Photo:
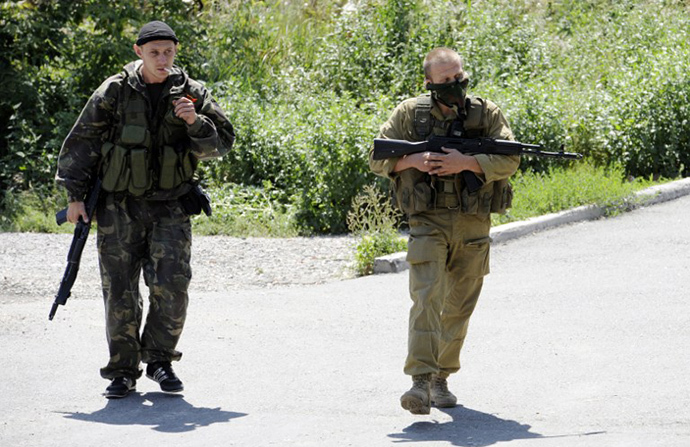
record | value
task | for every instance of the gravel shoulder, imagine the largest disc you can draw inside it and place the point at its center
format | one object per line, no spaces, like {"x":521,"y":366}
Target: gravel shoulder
{"x":32,"y":264}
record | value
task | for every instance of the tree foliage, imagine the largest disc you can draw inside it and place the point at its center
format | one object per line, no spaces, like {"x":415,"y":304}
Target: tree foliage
{"x":308,"y":83}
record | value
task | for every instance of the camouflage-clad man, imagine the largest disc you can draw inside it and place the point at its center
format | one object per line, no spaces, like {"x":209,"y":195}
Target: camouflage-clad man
{"x":143,"y":133}
{"x":448,"y":248}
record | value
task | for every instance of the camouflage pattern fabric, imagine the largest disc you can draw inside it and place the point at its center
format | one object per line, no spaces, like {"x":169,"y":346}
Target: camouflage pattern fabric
{"x":155,"y":237}
{"x":212,"y":135}
{"x":149,"y":233}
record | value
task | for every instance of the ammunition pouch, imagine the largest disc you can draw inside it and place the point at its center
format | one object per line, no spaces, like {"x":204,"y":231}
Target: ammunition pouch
{"x":502,"y":198}
{"x":177,"y":167}
{"x":129,"y":168}
{"x":412,"y":192}
{"x":415,"y":192}
{"x":125,"y":169}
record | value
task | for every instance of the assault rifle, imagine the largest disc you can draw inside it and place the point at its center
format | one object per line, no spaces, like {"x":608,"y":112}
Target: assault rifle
{"x":384,"y":148}
{"x":81,"y":233}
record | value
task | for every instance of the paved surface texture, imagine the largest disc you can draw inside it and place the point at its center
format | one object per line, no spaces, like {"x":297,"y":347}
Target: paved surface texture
{"x":580,"y":339}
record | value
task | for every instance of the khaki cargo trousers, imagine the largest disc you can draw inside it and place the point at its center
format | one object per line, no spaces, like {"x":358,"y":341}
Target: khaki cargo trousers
{"x":448,"y":253}
{"x":153,"y":237}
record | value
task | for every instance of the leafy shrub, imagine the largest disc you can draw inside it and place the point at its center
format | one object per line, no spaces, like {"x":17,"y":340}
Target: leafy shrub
{"x":313,"y":149}
{"x":374,"y":221}
{"x":539,"y":193}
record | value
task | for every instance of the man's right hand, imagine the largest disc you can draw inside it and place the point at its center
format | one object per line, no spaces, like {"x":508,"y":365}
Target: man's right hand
{"x":75,"y":210}
{"x":417,"y":161}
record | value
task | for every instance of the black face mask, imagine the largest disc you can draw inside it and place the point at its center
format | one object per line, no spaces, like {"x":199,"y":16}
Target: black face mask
{"x":450,"y":94}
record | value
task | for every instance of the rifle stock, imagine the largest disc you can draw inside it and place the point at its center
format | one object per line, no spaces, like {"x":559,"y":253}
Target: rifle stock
{"x":81,"y":234}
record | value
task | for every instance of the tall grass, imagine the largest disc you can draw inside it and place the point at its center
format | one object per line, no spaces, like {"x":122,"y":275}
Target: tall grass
{"x":558,"y":189}
{"x":307,"y":83}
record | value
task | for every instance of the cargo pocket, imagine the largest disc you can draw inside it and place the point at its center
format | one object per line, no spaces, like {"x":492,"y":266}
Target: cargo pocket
{"x":168,"y":176}
{"x":422,"y":197}
{"x":485,"y":196}
{"x":472,"y":260}
{"x":425,"y":244}
{"x":187,"y":165}
{"x":134,"y":135}
{"x":502,"y":198}
{"x":469,"y":202}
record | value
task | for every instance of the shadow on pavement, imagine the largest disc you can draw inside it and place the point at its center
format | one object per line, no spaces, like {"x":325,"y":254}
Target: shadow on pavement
{"x":470,"y":428}
{"x":165,"y":413}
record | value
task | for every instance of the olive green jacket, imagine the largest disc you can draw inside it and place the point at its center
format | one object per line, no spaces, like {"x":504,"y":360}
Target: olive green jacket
{"x":484,"y":119}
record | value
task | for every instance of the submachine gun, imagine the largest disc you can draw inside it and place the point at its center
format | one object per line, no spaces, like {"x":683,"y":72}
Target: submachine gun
{"x":81,"y":233}
{"x":385,"y":148}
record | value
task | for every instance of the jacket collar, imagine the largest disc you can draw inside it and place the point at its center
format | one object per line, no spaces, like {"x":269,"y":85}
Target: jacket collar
{"x":177,"y":80}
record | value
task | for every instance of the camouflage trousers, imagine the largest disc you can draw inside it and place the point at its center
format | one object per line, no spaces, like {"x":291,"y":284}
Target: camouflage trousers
{"x":155,"y":237}
{"x":448,"y":254}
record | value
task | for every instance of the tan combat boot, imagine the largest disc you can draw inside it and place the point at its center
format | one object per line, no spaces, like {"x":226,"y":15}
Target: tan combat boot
{"x":440,"y":396}
{"x":417,"y":400}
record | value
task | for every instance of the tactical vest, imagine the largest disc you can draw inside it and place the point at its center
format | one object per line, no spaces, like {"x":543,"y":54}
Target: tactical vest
{"x":416,"y":192}
{"x":132,"y":162}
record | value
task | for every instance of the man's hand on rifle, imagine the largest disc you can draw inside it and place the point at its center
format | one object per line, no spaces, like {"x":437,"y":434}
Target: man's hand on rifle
{"x":416,"y":161}
{"x":75,"y":210}
{"x":450,"y":162}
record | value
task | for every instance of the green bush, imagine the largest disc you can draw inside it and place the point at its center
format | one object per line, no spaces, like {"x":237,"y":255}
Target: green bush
{"x":311,"y":148}
{"x":539,"y":193}
{"x":247,"y":211}
{"x":374,"y":222}
{"x":308,"y":83}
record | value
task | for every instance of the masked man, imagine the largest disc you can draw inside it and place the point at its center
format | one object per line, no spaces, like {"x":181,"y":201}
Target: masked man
{"x":448,"y":248}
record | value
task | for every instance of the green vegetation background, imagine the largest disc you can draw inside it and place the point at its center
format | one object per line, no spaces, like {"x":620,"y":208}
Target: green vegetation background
{"x":307,"y":83}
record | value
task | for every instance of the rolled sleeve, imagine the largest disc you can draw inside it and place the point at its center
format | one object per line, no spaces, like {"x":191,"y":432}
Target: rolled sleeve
{"x":497,"y":167}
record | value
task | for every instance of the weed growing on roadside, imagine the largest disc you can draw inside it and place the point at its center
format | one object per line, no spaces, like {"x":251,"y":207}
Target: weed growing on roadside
{"x":374,"y":221}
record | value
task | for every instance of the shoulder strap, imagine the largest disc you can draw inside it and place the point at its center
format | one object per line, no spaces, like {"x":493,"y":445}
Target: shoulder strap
{"x":422,"y":116}
{"x":475,"y":108}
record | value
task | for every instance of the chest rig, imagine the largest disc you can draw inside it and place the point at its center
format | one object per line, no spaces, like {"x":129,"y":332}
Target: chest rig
{"x":137,"y":162}
{"x":417,"y":192}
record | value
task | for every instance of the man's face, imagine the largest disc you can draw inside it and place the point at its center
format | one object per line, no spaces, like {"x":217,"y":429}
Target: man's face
{"x":158,"y":56}
{"x":448,"y":85}
{"x":444,"y":73}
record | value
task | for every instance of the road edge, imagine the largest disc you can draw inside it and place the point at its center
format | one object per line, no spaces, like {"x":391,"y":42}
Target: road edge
{"x":653,"y":195}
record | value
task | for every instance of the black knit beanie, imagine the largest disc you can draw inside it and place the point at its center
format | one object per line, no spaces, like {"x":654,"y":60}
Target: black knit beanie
{"x":156,"y":30}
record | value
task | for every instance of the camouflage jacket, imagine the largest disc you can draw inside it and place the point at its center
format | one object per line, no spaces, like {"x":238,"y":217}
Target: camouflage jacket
{"x":101,"y":123}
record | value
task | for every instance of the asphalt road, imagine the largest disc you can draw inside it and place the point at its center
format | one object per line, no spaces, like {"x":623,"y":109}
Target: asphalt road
{"x":580,"y":339}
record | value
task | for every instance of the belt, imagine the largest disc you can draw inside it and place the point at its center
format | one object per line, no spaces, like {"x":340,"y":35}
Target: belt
{"x":447,"y":200}
{"x":445,"y":185}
